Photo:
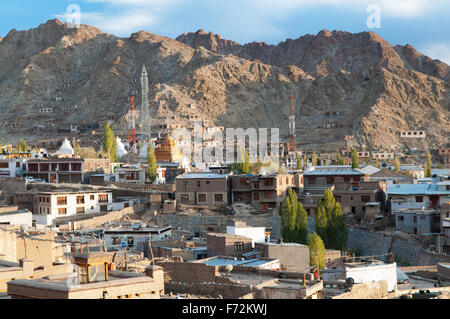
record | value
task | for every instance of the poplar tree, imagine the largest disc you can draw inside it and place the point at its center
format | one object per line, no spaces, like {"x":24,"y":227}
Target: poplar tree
{"x":294,"y":220}
{"x":397,"y":164}
{"x":151,"y":158}
{"x":339,"y":159}
{"x":314,"y":159}
{"x":317,"y":251}
{"x":427,"y":172}
{"x":355,"y":160}
{"x":22,"y":146}
{"x":329,"y":221}
{"x":299,"y":162}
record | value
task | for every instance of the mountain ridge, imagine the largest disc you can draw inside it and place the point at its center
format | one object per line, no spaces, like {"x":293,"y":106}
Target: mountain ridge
{"x":375,"y":89}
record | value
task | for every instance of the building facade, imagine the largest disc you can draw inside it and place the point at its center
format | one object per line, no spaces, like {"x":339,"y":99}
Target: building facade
{"x":207,"y":189}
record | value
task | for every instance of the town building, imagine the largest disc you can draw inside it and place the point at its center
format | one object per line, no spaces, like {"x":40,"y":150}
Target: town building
{"x":93,"y":279}
{"x":12,"y":215}
{"x":363,"y":272}
{"x":266,"y":192}
{"x":131,"y":175}
{"x":49,"y":206}
{"x":134,"y":238}
{"x":164,"y":151}
{"x":318,"y":179}
{"x":207,"y":189}
{"x":65,"y":170}
{"x":417,"y":221}
{"x":353,"y":196}
{"x":13,"y":167}
{"x":257,"y":234}
{"x":418,"y":196}
{"x":292,"y":257}
{"x":444,"y":154}
{"x":413,"y":134}
{"x":239,"y":279}
{"x":220,"y":244}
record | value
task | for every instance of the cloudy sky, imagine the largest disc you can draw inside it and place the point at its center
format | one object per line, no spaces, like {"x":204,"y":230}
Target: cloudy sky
{"x":421,"y":23}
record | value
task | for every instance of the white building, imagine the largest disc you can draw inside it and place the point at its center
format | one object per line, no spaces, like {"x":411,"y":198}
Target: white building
{"x":12,"y":216}
{"x":49,"y":206}
{"x":362,"y":273}
{"x":413,"y":134}
{"x":13,"y":167}
{"x":257,"y":234}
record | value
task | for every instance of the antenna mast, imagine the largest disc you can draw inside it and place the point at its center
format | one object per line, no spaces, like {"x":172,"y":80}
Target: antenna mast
{"x":145,"y":116}
{"x":292,"y":124}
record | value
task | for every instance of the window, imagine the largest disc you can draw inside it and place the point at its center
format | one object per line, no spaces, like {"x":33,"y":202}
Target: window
{"x":415,"y":219}
{"x":400,"y":218}
{"x":80,"y":210}
{"x":184,"y":198}
{"x":198,"y":184}
{"x":202,"y":198}
{"x":62,"y":200}
{"x":80,"y":199}
{"x":419,"y":199}
{"x":287,"y":180}
{"x":18,"y":164}
{"x":116,"y":241}
{"x":130,"y":242}
{"x":239,"y":246}
{"x":244,"y":181}
{"x":92,"y":197}
{"x":218,"y":197}
{"x":255,"y":196}
{"x":311,"y":180}
{"x":365,"y":198}
{"x":103,"y":198}
{"x":62,"y":211}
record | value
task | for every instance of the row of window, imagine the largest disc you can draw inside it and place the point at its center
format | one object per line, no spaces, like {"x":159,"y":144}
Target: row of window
{"x":62,"y":200}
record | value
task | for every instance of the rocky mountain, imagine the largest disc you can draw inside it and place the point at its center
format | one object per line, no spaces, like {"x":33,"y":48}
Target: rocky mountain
{"x":350,"y":89}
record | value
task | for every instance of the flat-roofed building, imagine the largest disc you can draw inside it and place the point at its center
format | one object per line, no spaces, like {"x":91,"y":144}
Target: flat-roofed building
{"x":92,"y":280}
{"x":49,"y":206}
{"x":207,"y":189}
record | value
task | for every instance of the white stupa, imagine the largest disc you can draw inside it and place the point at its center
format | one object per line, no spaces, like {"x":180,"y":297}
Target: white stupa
{"x":66,"y":149}
{"x":121,"y":151}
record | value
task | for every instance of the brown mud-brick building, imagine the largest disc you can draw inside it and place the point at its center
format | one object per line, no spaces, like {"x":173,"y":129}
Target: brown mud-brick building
{"x":262,"y":191}
{"x":66,"y":170}
{"x":220,"y":244}
{"x":207,"y":189}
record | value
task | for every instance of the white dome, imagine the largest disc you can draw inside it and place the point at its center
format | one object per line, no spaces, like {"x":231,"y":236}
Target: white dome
{"x":66,"y":148}
{"x":121,"y":151}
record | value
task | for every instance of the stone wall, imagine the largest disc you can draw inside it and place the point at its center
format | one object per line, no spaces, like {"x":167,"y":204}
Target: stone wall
{"x":370,"y":290}
{"x":205,"y":224}
{"x":377,"y":243}
{"x":100,"y":220}
{"x":189,"y":272}
{"x":431,"y":258}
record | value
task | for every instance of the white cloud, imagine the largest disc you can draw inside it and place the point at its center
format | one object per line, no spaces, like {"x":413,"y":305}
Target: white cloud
{"x":122,"y":24}
{"x":439,"y":51}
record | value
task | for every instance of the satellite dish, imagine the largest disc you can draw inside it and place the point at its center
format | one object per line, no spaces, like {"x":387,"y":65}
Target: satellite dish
{"x":229,"y":268}
{"x":24,"y":228}
{"x":349,"y":281}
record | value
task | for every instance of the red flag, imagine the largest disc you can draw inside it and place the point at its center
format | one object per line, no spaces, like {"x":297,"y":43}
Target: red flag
{"x":316,"y":273}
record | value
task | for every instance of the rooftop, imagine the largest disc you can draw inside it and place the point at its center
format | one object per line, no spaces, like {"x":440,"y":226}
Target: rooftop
{"x":201,"y":175}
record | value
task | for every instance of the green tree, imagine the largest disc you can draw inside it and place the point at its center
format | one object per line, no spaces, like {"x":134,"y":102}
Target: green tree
{"x":110,"y":143}
{"x":317,"y":251}
{"x":427,"y":171}
{"x":397,"y":164}
{"x":339,"y":159}
{"x":304,"y":161}
{"x":370,"y":159}
{"x":314,"y":159}
{"x":151,"y":158}
{"x":242,"y":165}
{"x":299,"y":162}
{"x":377,"y":163}
{"x":355,"y":160}
{"x":329,"y":221}
{"x":22,"y":146}
{"x":294,"y":220}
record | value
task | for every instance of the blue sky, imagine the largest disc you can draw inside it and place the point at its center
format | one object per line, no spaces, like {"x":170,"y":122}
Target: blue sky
{"x":421,"y":23}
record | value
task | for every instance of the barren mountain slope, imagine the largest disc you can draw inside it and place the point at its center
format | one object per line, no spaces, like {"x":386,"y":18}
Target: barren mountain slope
{"x":375,"y":89}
